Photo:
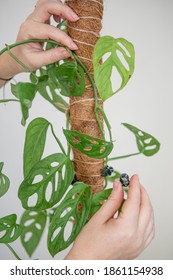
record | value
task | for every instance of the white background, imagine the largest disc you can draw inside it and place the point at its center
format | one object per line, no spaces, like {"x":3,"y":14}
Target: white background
{"x":146,"y":102}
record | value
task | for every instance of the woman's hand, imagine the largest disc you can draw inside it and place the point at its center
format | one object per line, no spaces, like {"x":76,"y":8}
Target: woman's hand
{"x":37,"y":26}
{"x":125,"y":237}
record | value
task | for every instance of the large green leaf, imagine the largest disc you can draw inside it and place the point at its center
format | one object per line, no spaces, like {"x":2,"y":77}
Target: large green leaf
{"x":9,"y":230}
{"x":25,"y":92}
{"x":70,"y":78}
{"x":4,"y":181}
{"x":34,"y":143}
{"x":68,"y":211}
{"x":88,"y":145}
{"x":120,"y":55}
{"x":147,"y":144}
{"x":98,"y":199}
{"x":46,"y":183}
{"x":33,"y":224}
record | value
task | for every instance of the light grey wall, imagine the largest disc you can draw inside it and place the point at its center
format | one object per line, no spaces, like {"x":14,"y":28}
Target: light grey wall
{"x":146,"y":103}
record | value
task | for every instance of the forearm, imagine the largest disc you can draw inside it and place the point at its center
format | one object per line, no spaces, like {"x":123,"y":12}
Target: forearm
{"x":8,"y":68}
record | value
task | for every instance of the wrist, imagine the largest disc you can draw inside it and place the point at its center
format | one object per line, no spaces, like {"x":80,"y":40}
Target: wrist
{"x":78,"y":254}
{"x":8,"y":67}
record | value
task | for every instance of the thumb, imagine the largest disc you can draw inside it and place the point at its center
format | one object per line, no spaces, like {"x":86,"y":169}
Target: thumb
{"x":111,"y":206}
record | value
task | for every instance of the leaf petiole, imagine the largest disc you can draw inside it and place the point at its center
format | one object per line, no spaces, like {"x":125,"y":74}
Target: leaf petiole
{"x":17,"y":60}
{"x":8,"y":100}
{"x":9,"y":47}
{"x":125,"y":156}
{"x":13,"y":251}
{"x":57,"y":140}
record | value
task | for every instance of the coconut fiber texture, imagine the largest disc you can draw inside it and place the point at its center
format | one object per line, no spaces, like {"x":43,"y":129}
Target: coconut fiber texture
{"x":85,"y":33}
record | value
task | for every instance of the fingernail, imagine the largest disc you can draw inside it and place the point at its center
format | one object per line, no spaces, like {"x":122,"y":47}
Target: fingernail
{"x":116,"y":184}
{"x":137,"y":177}
{"x":74,"y":16}
{"x":74,"y":46}
{"x":65,"y":54}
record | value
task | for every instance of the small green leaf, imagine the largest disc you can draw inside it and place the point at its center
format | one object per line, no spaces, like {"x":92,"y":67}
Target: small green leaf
{"x":46,"y":183}
{"x":147,"y":144}
{"x":25,"y":92}
{"x":33,"y":78}
{"x":33,"y":224}
{"x":34,"y":143}
{"x":120,"y":55}
{"x":88,"y":145}
{"x":4,"y":181}
{"x":98,"y":199}
{"x":68,"y":212}
{"x":70,"y":78}
{"x":9,"y":230}
{"x":115,"y":175}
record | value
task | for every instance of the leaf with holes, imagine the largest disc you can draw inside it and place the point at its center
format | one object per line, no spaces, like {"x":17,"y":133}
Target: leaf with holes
{"x":70,"y":78}
{"x":147,"y":144}
{"x":98,"y":199}
{"x":120,"y":55}
{"x":4,"y":181}
{"x":48,"y":90}
{"x":46,"y":182}
{"x":25,"y":92}
{"x":79,"y":197}
{"x":9,"y":230}
{"x":88,"y":145}
{"x":33,"y":224}
{"x":34,"y":143}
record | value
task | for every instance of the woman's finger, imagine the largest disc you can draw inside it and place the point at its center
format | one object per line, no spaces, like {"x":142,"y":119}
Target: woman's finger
{"x":38,"y":30}
{"x":45,"y":10}
{"x":146,"y":215}
{"x":42,"y":58}
{"x":131,"y":208}
{"x":110,"y":206}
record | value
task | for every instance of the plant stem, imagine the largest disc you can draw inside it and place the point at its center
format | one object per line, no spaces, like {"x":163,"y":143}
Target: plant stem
{"x":99,"y":108}
{"x":67,"y":127}
{"x":18,"y":61}
{"x":9,"y":47}
{"x":13,"y":252}
{"x":57,"y":140}
{"x":8,"y":100}
{"x":95,"y":94}
{"x":125,"y":156}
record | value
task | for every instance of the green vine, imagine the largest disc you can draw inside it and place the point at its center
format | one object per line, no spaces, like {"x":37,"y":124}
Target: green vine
{"x":56,"y":171}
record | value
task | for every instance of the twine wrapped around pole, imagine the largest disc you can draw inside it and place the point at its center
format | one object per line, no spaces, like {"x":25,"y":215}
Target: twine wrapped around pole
{"x":85,"y":33}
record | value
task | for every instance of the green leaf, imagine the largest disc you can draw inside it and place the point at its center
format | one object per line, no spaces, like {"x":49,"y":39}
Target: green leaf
{"x":54,"y":98}
{"x":70,"y":78}
{"x":34,"y":143}
{"x":46,"y":182}
{"x":115,"y":175}
{"x":98,"y":199}
{"x":88,"y":145}
{"x":33,"y":224}
{"x":9,"y":230}
{"x":68,"y":212}
{"x":120,"y":55}
{"x":33,"y":78}
{"x":147,"y":144}
{"x":25,"y":92}
{"x":4,"y":181}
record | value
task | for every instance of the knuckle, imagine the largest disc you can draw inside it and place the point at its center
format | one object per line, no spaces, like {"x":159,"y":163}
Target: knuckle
{"x":45,"y":5}
{"x":24,"y":27}
{"x":53,"y":57}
